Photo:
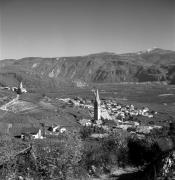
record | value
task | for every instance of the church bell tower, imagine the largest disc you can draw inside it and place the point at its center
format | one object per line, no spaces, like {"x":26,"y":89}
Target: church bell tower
{"x":97,"y":107}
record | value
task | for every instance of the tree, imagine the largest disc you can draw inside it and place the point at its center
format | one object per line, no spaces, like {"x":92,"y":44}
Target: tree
{"x":9,"y":148}
{"x":58,"y":157}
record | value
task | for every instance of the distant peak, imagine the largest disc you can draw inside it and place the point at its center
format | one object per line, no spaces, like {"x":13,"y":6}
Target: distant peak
{"x":151,"y":50}
{"x":102,"y":53}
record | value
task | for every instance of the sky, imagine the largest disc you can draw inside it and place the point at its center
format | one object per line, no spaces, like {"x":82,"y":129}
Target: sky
{"x":55,"y":28}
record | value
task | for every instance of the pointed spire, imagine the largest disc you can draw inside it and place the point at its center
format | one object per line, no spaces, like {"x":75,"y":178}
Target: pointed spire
{"x":97,"y":108}
{"x":97,"y":96}
{"x":20,"y":85}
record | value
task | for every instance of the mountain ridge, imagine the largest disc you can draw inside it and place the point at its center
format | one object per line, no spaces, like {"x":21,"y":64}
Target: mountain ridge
{"x":149,"y":50}
{"x":105,"y":67}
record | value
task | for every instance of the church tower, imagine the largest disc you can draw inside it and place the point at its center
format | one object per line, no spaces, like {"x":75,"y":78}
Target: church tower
{"x":97,"y":106}
{"x":20,"y":85}
{"x":19,"y":90}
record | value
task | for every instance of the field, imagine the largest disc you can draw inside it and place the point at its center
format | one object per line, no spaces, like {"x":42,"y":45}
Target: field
{"x":44,"y":105}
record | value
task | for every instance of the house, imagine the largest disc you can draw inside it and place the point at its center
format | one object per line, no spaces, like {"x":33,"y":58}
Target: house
{"x":38,"y":135}
{"x":62,"y":130}
{"x":26,"y":131}
{"x":53,"y":128}
{"x":85,"y":122}
{"x":56,"y":130}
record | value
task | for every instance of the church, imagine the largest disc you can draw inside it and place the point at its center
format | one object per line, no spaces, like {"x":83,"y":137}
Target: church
{"x":97,"y":107}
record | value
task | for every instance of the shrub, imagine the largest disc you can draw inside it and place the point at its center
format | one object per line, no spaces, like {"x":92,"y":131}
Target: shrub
{"x":58,"y":157}
{"x":103,"y":153}
{"x":86,"y":131}
{"x":9,"y":147}
{"x":142,"y":151}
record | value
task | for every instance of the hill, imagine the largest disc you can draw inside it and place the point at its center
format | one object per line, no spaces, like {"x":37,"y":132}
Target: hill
{"x":150,"y":65}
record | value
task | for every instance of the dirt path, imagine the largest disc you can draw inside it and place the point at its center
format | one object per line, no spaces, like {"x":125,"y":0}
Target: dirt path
{"x":4,"y":107}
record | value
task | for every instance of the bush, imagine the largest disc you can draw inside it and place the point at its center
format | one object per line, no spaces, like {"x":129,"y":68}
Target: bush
{"x":142,"y":151}
{"x":86,"y":131}
{"x":9,"y":147}
{"x":103,"y":153}
{"x":59,"y":157}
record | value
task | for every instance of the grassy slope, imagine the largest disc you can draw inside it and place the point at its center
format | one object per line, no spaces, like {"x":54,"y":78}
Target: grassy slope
{"x":55,"y":112}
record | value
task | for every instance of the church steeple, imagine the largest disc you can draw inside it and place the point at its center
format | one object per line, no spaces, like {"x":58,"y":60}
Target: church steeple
{"x":97,"y":96}
{"x":20,"y":85}
{"x":97,"y":106}
{"x":20,"y":89}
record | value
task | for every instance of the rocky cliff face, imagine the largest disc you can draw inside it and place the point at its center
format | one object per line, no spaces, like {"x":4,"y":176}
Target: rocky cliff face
{"x":152,"y":65}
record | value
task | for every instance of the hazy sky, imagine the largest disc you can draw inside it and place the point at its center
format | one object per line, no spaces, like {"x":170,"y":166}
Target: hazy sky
{"x":53,"y":28}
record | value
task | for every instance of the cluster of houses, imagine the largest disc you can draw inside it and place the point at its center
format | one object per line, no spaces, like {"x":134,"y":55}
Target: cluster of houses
{"x":121,"y":115}
{"x":118,"y":111}
{"x":19,"y":90}
{"x":30,"y":131}
{"x":110,"y":109}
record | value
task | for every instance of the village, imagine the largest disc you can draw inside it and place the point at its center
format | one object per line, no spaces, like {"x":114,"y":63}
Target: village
{"x":122,"y":116}
{"x":106,"y":114}
{"x":102,"y":113}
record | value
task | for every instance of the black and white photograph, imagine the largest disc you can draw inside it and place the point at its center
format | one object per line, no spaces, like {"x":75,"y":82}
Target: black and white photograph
{"x":87,"y":89}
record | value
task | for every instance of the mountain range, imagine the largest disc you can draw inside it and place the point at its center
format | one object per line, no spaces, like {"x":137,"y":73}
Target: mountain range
{"x":151,"y":65}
